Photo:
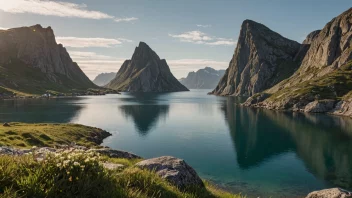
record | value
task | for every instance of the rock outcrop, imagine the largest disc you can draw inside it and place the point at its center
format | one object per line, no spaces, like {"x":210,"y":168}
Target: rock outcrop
{"x":145,"y":72}
{"x":324,"y":73}
{"x":30,"y":57}
{"x":174,"y":170}
{"x":104,"y":78}
{"x":206,"y":78}
{"x":330,"y":193}
{"x":262,"y":59}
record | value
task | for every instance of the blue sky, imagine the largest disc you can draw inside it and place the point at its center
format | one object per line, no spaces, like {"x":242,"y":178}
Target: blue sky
{"x":189,"y":34}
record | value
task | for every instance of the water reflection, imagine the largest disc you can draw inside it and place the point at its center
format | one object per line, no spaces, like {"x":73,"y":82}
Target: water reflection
{"x":145,"y":117}
{"x":39,"y":110}
{"x":255,"y":138}
{"x":324,"y":143}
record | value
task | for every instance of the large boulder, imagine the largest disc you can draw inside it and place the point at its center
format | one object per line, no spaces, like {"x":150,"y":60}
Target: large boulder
{"x":174,"y":170}
{"x":322,"y":106}
{"x":330,"y":193}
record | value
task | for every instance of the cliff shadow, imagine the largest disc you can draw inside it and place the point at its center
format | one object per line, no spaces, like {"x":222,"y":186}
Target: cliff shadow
{"x":255,"y":137}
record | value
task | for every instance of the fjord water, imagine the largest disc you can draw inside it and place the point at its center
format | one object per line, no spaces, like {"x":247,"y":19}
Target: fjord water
{"x":253,"y":151}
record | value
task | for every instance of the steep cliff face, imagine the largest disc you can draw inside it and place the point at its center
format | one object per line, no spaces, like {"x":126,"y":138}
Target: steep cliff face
{"x":324,"y":76}
{"x":145,"y":72}
{"x":206,"y":78}
{"x":35,"y":49}
{"x":104,"y":78}
{"x":262,"y":58}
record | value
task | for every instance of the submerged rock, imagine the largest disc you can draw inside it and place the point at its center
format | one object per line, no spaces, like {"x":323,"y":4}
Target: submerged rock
{"x":174,"y":170}
{"x":330,"y":193}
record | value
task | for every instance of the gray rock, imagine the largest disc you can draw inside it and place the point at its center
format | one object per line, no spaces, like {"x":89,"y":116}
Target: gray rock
{"x":6,"y":124}
{"x":262,"y":58}
{"x":112,"y":166}
{"x":319,"y":106}
{"x":174,"y":170}
{"x":206,"y":78}
{"x":116,"y":153}
{"x":330,"y":193}
{"x":343,"y":108}
{"x":145,"y":72}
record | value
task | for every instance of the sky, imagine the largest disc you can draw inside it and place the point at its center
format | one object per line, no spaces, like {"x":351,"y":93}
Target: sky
{"x":190,"y":34}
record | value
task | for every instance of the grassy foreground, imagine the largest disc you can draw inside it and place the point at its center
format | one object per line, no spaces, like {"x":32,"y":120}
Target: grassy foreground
{"x":81,"y":174}
{"x":27,"y":135}
{"x":77,"y":173}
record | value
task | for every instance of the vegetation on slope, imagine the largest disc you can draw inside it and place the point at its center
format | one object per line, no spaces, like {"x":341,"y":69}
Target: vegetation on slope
{"x":75,"y":173}
{"x":16,"y":78}
{"x":28,"y":135}
{"x":334,"y":85}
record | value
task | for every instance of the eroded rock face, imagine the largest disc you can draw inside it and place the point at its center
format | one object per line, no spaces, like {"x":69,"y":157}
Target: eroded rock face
{"x":174,"y":170}
{"x":36,"y":47}
{"x":262,"y":58}
{"x":330,"y":193}
{"x":145,"y":72}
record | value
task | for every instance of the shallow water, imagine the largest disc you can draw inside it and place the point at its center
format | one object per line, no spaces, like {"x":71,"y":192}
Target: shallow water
{"x":253,"y":151}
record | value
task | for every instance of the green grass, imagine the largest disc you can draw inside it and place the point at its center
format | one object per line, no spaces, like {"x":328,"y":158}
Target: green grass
{"x":81,"y":175}
{"x":27,"y":135}
{"x":334,"y":85}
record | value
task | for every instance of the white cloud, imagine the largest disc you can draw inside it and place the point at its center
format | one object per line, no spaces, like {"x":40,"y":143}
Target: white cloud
{"x":56,"y":8}
{"x":2,"y":28}
{"x":204,"y":26}
{"x":77,"y":42}
{"x":129,"y":19}
{"x":51,"y":8}
{"x":199,"y":37}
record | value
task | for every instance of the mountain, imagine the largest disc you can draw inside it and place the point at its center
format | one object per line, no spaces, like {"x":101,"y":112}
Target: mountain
{"x":206,"y":78}
{"x":262,"y":58}
{"x":145,"y":72}
{"x":104,"y":78}
{"x":32,"y":62}
{"x":323,"y":82}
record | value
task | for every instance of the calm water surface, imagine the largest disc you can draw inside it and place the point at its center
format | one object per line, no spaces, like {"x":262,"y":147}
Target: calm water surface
{"x":256,"y":152}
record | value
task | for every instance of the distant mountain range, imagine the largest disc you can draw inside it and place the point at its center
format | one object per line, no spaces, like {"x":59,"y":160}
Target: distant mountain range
{"x":104,"y":78}
{"x":145,"y":72}
{"x":32,"y":62}
{"x":206,"y":78}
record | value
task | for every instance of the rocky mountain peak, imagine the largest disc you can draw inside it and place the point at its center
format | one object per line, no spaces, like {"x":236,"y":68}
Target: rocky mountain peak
{"x":145,"y":72}
{"x":144,"y":52}
{"x":332,"y":46}
{"x":36,"y":47}
{"x":262,"y":58}
{"x":311,"y":36}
